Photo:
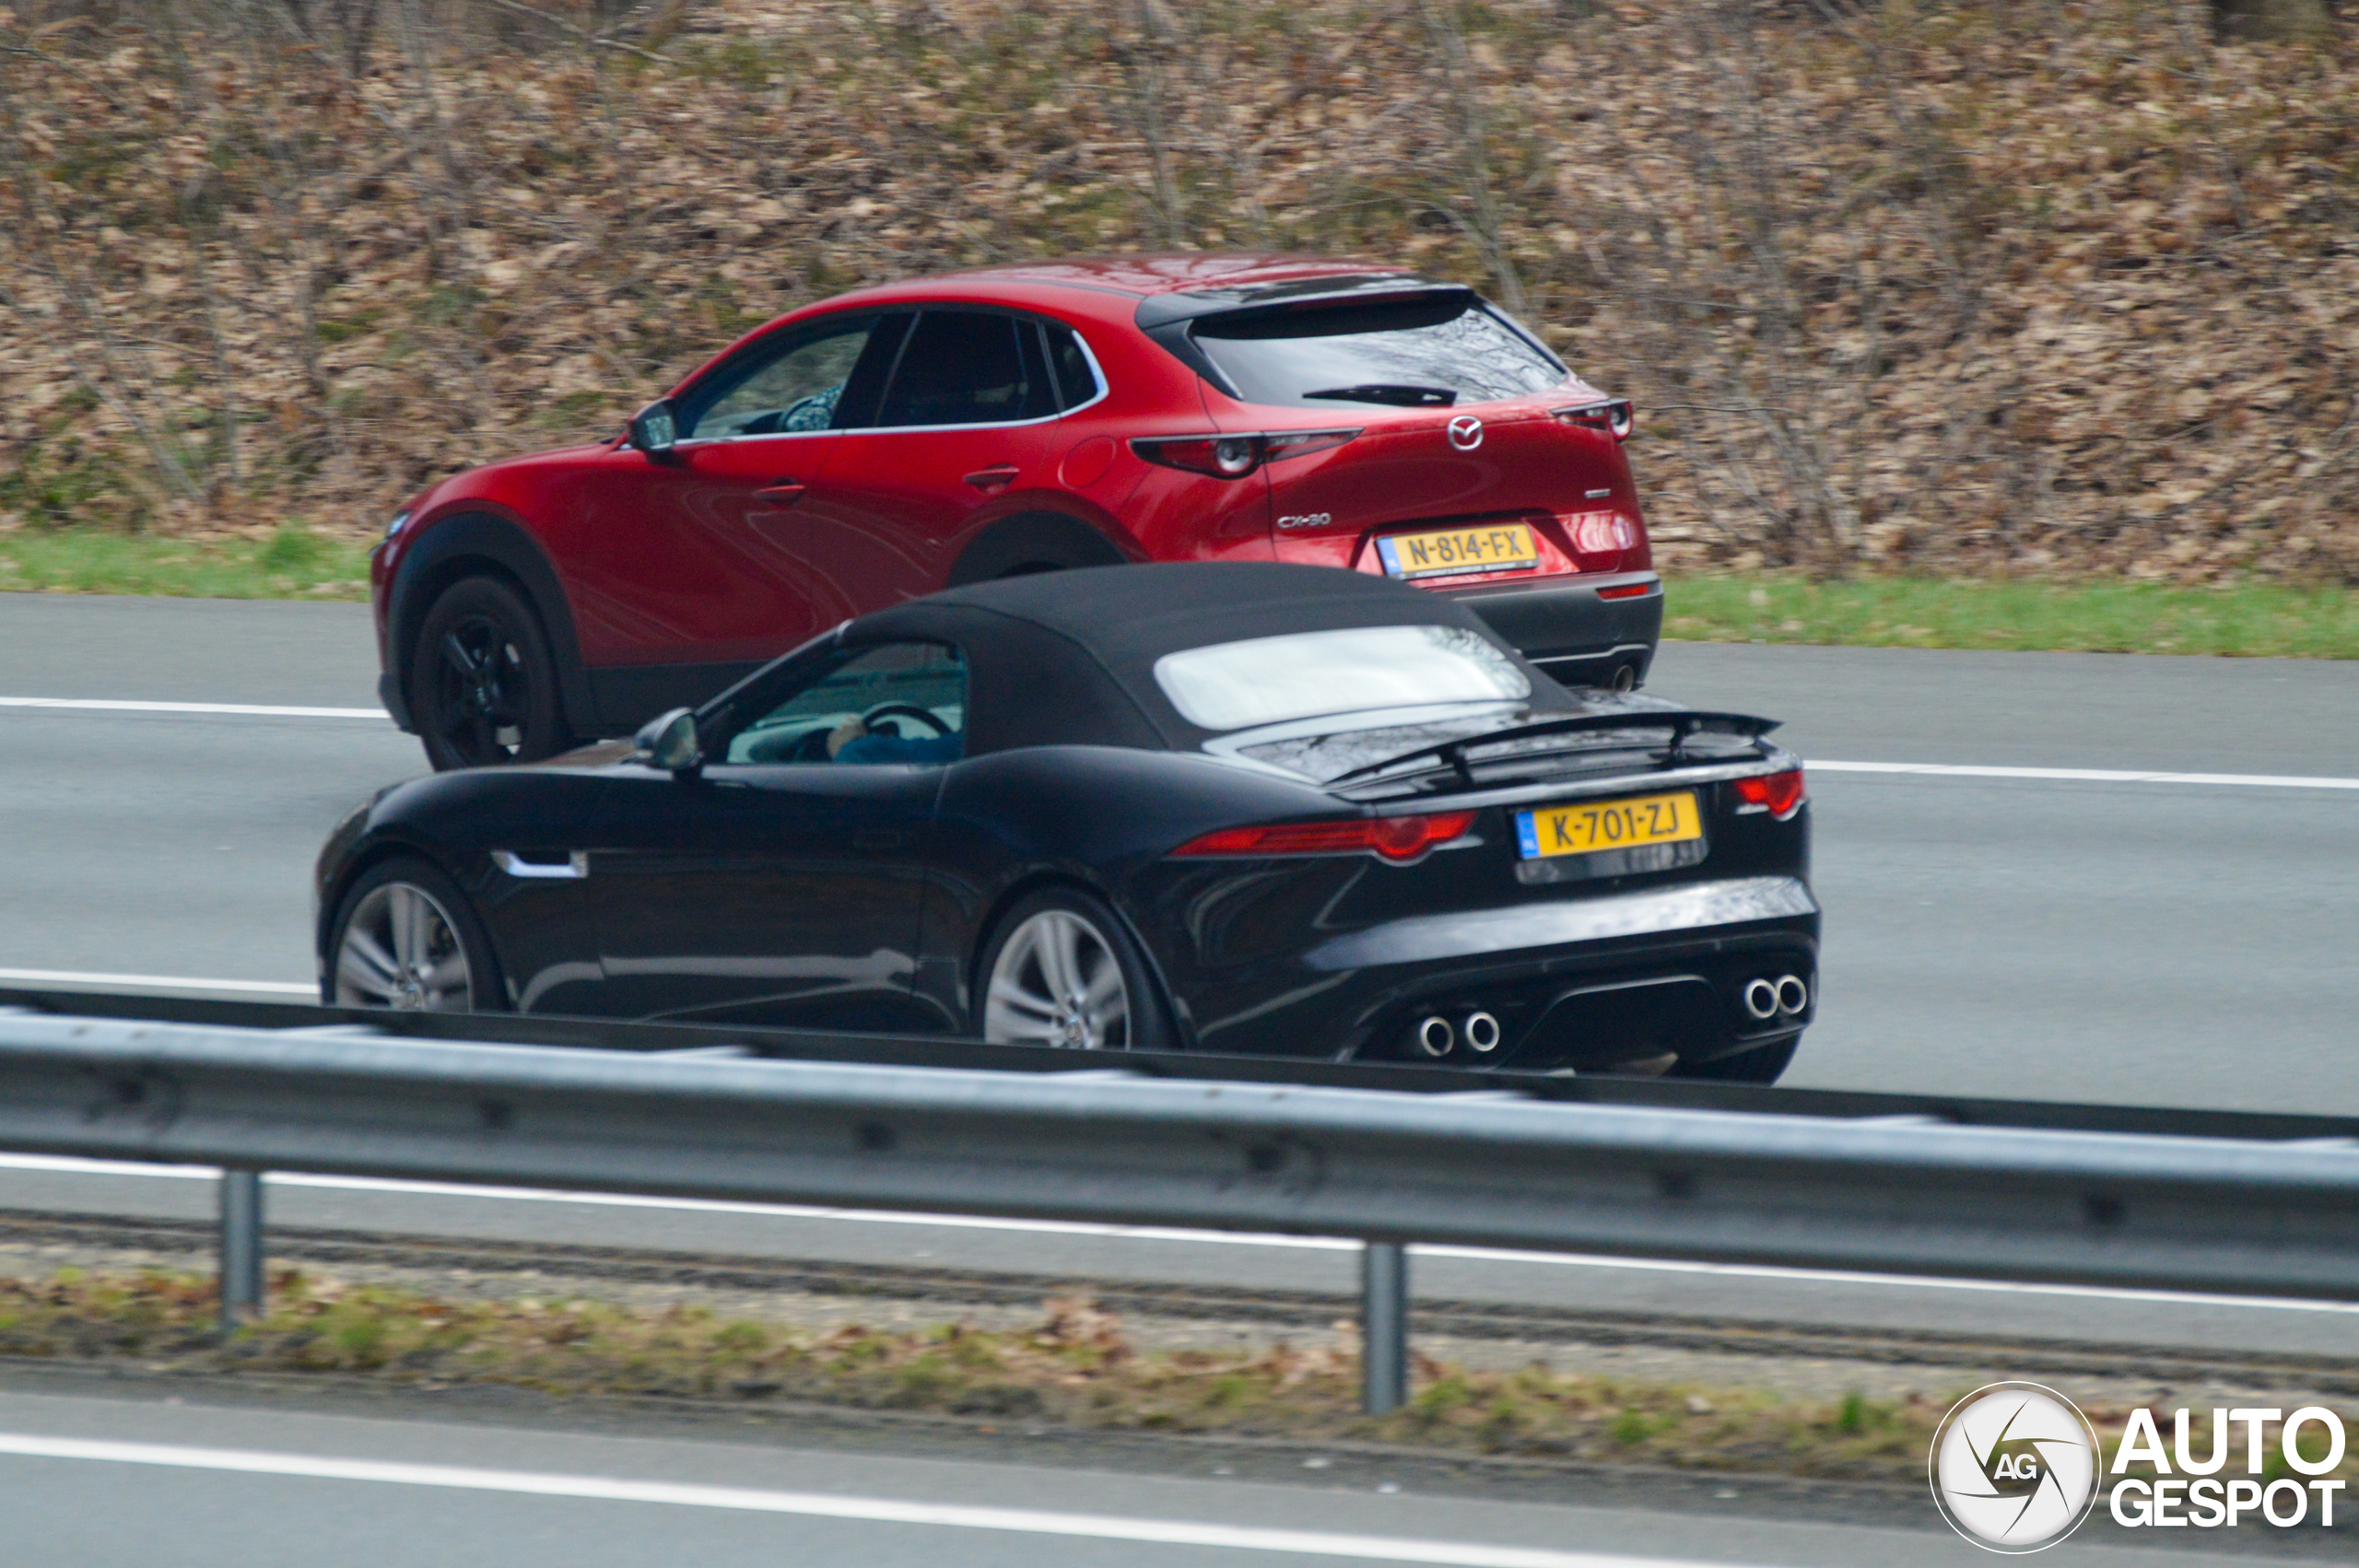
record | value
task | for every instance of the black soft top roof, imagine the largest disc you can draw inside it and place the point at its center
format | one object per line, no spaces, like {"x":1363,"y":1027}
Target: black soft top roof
{"x":1068,"y":658}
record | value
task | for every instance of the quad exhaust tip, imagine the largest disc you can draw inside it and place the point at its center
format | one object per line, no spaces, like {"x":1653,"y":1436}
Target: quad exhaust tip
{"x":1436,"y":1037}
{"x":1482,"y":1032}
{"x":1766,"y":999}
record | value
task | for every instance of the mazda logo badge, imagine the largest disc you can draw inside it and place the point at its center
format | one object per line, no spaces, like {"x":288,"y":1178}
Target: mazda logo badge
{"x":1466,"y":432}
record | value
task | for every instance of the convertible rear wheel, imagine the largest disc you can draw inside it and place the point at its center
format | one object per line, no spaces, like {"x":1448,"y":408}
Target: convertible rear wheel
{"x":404,"y":939}
{"x":483,"y":685}
{"x":1061,"y":970}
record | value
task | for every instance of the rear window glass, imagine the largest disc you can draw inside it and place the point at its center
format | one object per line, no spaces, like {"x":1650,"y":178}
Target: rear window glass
{"x":1411,"y":354}
{"x":1270,"y":680}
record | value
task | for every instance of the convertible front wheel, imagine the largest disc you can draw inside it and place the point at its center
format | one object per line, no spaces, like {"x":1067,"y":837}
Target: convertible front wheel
{"x":1063,"y":970}
{"x":404,"y":939}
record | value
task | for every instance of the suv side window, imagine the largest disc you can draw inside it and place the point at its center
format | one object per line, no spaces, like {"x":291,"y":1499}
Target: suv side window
{"x":1076,"y":381}
{"x":902,"y":702}
{"x":788,"y":381}
{"x":968,"y":367}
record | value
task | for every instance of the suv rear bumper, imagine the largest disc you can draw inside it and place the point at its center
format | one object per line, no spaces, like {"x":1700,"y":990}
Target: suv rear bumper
{"x":1561,"y":624}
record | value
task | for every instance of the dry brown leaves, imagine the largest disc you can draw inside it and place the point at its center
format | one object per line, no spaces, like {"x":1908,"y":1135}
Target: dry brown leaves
{"x":2036,"y":285}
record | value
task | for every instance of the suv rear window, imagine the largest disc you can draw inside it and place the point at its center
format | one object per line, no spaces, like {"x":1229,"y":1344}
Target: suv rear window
{"x":1409,"y":353}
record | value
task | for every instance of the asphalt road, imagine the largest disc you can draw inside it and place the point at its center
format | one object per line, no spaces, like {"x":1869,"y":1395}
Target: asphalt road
{"x":2150,"y":942}
{"x":2155,"y":942}
{"x":122,"y":1478}
{"x":2160,"y":943}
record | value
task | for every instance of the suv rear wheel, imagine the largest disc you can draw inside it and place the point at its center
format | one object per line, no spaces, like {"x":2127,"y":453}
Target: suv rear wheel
{"x":483,"y":684}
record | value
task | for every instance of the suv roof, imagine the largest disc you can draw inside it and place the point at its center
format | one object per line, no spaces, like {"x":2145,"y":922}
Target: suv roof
{"x":1240,"y":272}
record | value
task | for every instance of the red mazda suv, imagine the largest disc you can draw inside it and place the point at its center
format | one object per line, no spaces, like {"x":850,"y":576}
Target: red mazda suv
{"x":927,"y":434}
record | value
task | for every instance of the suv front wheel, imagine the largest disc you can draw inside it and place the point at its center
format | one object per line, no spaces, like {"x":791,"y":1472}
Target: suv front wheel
{"x":483,"y":685}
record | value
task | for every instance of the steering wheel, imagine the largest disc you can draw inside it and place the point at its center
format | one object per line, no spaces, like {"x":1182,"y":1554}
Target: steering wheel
{"x":903,"y":710}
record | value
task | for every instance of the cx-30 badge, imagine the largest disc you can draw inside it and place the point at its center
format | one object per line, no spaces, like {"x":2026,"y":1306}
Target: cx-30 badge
{"x":1466,"y":432}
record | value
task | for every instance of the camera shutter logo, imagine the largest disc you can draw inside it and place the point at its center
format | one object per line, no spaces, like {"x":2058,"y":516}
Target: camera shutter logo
{"x":2014,"y":1467}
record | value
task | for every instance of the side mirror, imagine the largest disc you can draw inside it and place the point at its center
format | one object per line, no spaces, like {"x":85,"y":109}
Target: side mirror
{"x":655,"y":428}
{"x":669,"y":741}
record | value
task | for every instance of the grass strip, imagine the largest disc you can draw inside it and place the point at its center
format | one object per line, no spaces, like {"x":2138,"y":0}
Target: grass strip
{"x":292,"y":562}
{"x":1074,"y":1368}
{"x":2246,"y":620}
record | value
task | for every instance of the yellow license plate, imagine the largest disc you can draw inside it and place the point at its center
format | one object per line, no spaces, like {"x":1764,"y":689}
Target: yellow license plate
{"x":1504,"y":546}
{"x":1608,"y":825}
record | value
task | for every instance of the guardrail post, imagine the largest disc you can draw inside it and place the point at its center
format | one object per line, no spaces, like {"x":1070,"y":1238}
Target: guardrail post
{"x":1384,"y":1325}
{"x":241,"y":1247}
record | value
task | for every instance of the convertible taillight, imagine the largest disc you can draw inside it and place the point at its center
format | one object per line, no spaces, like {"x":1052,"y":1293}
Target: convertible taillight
{"x":1779,"y":794}
{"x":1397,"y":839}
{"x":1234,"y":457}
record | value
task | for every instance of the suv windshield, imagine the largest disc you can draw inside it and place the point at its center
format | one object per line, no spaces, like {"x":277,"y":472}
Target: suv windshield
{"x":1415,"y":353}
{"x":1269,"y":680}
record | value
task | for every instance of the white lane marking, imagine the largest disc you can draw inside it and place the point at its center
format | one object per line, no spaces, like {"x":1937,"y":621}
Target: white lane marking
{"x":878,"y":1510}
{"x":71,"y":1165}
{"x":2086,"y":775}
{"x":1929,"y":769}
{"x":156,"y":982}
{"x":249,"y":709}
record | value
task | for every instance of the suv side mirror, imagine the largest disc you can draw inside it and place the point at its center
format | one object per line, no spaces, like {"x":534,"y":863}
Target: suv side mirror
{"x":655,"y":428}
{"x":669,"y":741}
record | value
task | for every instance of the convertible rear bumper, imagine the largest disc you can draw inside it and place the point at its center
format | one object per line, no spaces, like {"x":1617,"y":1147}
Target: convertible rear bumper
{"x":1579,"y":983}
{"x":1513,"y":931}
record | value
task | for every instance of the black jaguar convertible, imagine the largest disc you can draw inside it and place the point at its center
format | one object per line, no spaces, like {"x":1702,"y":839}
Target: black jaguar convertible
{"x":1243,"y":808}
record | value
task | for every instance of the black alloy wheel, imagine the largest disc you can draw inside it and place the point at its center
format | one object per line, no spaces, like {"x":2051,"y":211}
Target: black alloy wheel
{"x":1061,"y":969}
{"x":405,"y":938}
{"x":483,"y":685}
{"x":1763,"y":1064}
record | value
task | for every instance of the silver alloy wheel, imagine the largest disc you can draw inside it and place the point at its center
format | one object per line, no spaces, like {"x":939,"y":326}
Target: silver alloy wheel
{"x":1057,"y":982}
{"x":400,"y":949}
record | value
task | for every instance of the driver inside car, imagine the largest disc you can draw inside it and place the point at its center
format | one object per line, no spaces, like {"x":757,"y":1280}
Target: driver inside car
{"x":853,"y":741}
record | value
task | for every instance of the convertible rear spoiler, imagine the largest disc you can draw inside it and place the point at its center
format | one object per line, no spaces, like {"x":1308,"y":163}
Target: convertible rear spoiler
{"x":1679,"y":726}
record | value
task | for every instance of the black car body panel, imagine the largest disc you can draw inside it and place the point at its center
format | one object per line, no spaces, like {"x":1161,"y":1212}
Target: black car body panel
{"x":822,"y":894}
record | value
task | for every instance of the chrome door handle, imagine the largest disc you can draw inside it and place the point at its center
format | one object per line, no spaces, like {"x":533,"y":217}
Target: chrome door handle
{"x":784,"y":491}
{"x":996,"y":477}
{"x":574,"y":866}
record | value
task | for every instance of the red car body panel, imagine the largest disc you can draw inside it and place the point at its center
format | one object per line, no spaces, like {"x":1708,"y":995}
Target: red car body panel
{"x":731,"y":551}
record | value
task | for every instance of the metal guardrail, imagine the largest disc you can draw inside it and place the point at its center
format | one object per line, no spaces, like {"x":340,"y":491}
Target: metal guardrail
{"x":942,"y":1051}
{"x":1485,"y":1166}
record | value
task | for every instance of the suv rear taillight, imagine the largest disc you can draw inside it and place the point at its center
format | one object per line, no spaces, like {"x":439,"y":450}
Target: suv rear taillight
{"x":1601,"y":533}
{"x":1234,"y":457}
{"x":1398,"y":838}
{"x":1615,"y":414}
{"x":1779,"y":794}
